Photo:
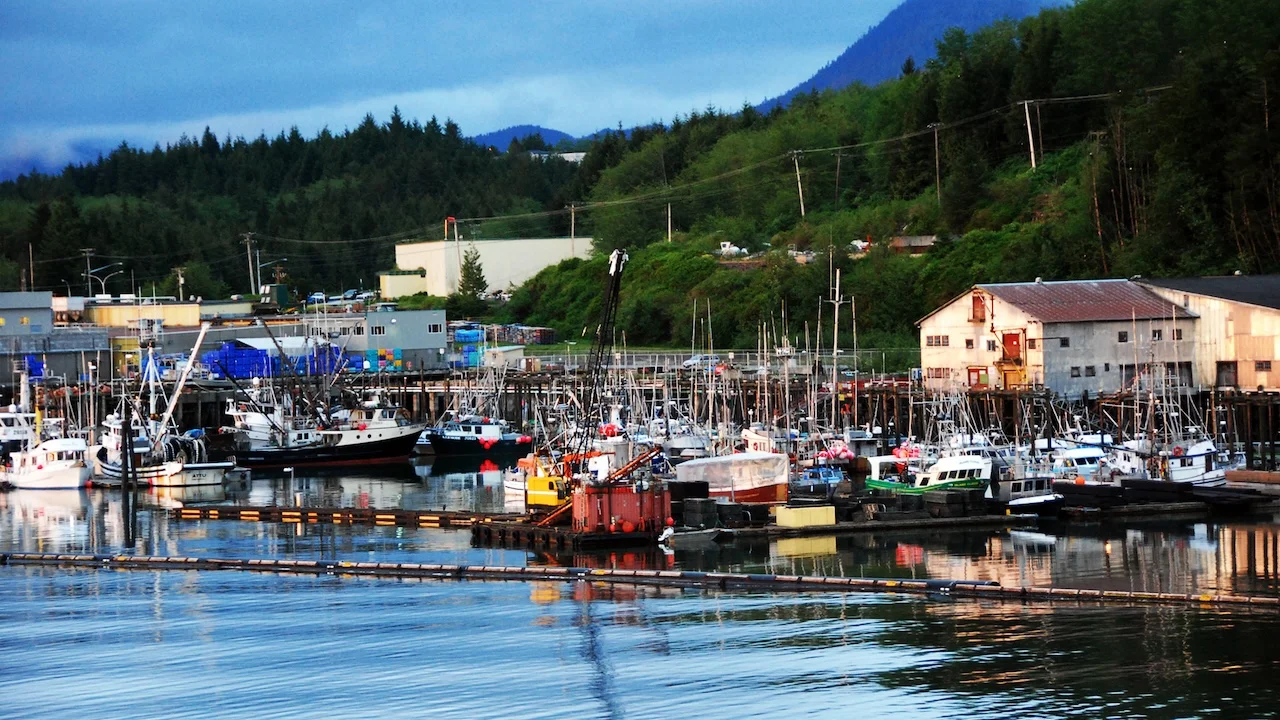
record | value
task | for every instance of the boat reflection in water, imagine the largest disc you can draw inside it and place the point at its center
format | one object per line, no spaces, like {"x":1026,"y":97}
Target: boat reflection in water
{"x":471,"y":484}
{"x":48,"y":520}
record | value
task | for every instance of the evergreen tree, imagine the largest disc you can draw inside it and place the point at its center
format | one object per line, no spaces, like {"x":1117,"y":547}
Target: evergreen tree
{"x":472,"y":282}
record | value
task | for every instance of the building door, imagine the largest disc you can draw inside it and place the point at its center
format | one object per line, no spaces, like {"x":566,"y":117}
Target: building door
{"x":1227,"y":374}
{"x":1012,"y":346}
{"x":1012,"y":379}
{"x":978,"y":377}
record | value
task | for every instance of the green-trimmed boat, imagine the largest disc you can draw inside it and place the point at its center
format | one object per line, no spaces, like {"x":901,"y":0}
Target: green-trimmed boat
{"x":955,"y":472}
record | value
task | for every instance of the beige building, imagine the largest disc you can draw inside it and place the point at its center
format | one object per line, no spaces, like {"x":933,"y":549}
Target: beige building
{"x":1238,"y":338}
{"x":505,"y":262}
{"x":1072,"y":337}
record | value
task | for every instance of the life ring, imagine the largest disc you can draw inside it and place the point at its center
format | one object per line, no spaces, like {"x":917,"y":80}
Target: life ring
{"x":1177,"y":451}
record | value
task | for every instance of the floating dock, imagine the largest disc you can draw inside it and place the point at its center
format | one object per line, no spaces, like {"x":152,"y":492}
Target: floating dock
{"x":341,"y":516}
{"x":974,"y":589}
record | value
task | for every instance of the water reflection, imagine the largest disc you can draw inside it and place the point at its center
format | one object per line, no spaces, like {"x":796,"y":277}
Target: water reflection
{"x":1234,"y":556}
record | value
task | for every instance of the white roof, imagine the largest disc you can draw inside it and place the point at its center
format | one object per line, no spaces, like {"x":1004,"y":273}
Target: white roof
{"x":63,"y":445}
{"x":290,"y":344}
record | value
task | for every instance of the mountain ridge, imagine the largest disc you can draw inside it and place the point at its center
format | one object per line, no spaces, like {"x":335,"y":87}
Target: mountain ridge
{"x":912,"y":29}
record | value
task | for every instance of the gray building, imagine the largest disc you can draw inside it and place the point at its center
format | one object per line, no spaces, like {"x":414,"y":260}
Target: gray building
{"x":27,"y":330}
{"x":395,"y":340}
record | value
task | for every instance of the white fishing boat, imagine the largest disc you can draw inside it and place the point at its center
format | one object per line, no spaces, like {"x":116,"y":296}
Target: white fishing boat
{"x":55,"y":464}
{"x":163,"y":457}
{"x":954,"y":472}
{"x":741,"y":477}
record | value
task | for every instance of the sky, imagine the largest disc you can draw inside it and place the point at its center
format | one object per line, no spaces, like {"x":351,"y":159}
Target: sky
{"x":83,"y":76}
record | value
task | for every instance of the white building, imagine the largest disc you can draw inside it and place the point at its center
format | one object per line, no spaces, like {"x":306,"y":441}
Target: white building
{"x":505,"y":263}
{"x":1238,"y":334}
{"x":1072,"y":337}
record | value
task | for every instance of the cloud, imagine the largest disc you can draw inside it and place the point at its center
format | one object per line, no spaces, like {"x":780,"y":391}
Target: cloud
{"x":571,"y":103}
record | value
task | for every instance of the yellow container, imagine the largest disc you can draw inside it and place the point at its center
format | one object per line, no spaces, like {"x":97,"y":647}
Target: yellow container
{"x":799,"y":517}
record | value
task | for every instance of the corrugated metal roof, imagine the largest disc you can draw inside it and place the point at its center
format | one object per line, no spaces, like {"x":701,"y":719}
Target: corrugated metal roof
{"x":1086,"y":301}
{"x":1262,"y":290}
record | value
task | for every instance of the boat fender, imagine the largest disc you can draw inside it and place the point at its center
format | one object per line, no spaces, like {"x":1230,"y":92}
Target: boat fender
{"x":1177,"y":451}
{"x":361,"y":426}
{"x":1079,"y":480}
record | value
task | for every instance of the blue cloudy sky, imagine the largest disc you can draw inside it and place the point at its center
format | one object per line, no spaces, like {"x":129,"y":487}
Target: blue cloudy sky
{"x":90,"y":74}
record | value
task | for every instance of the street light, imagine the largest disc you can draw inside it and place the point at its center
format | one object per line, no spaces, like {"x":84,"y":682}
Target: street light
{"x":104,"y":280}
{"x":89,"y":276}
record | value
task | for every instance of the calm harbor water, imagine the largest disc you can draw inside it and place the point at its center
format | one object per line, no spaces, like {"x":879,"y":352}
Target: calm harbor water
{"x":186,"y":644}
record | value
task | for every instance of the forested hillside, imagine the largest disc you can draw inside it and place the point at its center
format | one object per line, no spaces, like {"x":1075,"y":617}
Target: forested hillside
{"x":1156,"y":154}
{"x":325,"y":203}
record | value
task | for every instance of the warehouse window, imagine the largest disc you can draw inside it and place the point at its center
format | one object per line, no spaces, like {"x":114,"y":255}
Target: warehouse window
{"x":1075,"y":372}
{"x":968,"y":344}
{"x":1177,"y":333}
{"x":26,"y":320}
{"x":991,"y":346}
{"x":435,"y":328}
{"x":1262,"y":366}
{"x":1031,"y":343}
{"x":1064,"y":342}
{"x":345,"y":331}
{"x":1123,"y":336}
{"x":1157,"y":335}
{"x":1090,"y":371}
{"x":359,"y":329}
{"x":938,"y":341}
{"x":378,"y":330}
{"x":938,"y":373}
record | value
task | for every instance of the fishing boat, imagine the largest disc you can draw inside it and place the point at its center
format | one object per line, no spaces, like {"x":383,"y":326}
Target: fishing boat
{"x":818,"y":480}
{"x":1026,"y":492}
{"x":273,"y":436}
{"x":953,"y":472}
{"x":55,"y":464}
{"x":478,"y":436}
{"x":1082,"y":462}
{"x":163,"y":457}
{"x":741,"y":477}
{"x":538,"y":480}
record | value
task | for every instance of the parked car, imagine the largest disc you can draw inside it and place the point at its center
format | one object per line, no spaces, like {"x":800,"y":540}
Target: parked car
{"x":703,"y":361}
{"x":350,"y":295}
{"x":316,"y":298}
{"x":367,"y":295}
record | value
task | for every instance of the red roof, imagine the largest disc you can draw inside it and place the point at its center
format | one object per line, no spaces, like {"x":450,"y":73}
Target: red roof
{"x":1086,"y":301}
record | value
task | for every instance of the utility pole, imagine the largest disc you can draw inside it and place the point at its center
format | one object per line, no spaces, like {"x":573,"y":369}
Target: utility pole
{"x":181,"y":282}
{"x":795,"y":156}
{"x":257,"y":270}
{"x":88,"y":279}
{"x":457,"y":247}
{"x":1031,"y":139}
{"x":31,"y":259}
{"x":573,"y":229}
{"x":668,"y":222}
{"x":839,"y":155}
{"x":248,"y":253}
{"x":937,"y":162}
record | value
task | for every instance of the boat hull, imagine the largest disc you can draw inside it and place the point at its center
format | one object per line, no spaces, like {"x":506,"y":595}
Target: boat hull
{"x":64,"y":478}
{"x":905,"y":489}
{"x":478,"y":447}
{"x":172,"y":474}
{"x":390,"y":450}
{"x":758,"y":494}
